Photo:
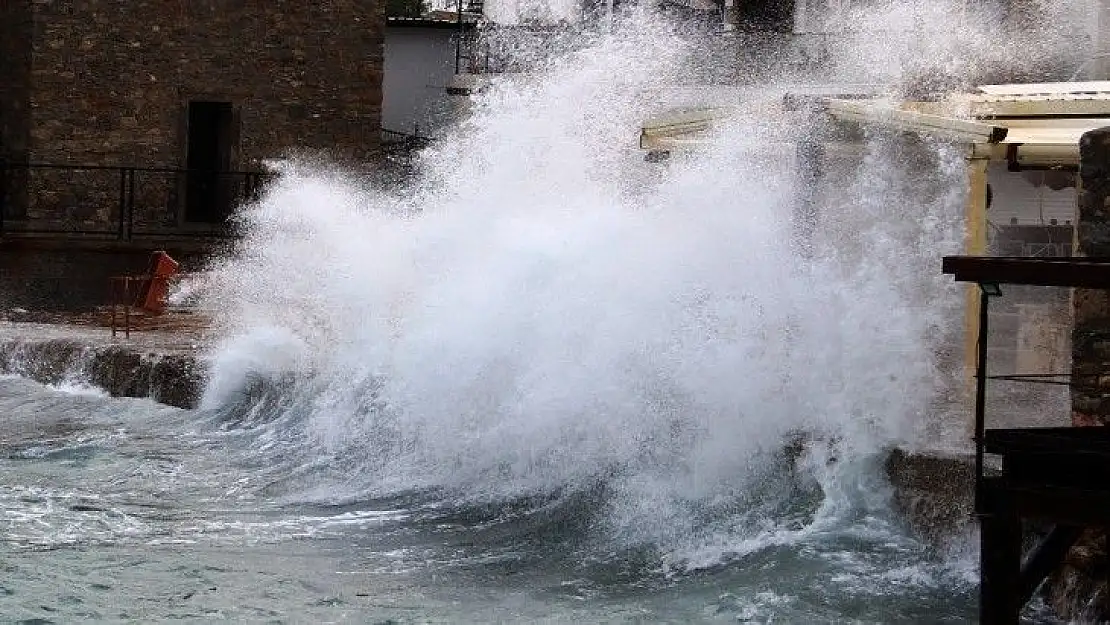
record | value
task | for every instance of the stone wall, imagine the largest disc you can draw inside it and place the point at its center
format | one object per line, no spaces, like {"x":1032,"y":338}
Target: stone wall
{"x":1078,"y":589}
{"x":112,"y":78}
{"x":1091,"y":333}
{"x":108,"y":82}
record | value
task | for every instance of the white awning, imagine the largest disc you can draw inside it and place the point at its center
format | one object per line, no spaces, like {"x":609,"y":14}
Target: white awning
{"x":892,"y":116}
{"x":1030,"y":125}
{"x":1043,"y":142}
{"x":1089,"y":99}
{"x":1058,"y":89}
{"x":680,"y":128}
{"x":1029,"y":141}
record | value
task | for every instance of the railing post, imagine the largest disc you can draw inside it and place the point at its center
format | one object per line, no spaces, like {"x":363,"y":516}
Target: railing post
{"x":248,"y":187}
{"x":127,"y":307}
{"x":981,"y":395}
{"x":113,"y":294}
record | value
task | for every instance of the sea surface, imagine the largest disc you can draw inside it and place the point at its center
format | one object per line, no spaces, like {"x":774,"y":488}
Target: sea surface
{"x":126,"y":510}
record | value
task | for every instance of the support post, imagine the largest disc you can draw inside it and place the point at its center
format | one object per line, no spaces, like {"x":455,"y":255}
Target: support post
{"x":1046,"y":558}
{"x":981,"y":395}
{"x":459,"y":35}
{"x":1000,"y":548}
{"x":975,"y":244}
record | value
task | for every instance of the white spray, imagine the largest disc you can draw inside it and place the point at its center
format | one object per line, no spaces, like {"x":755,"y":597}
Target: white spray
{"x":541,"y":310}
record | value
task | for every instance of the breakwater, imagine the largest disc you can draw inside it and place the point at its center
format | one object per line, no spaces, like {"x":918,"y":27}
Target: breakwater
{"x":163,"y":366}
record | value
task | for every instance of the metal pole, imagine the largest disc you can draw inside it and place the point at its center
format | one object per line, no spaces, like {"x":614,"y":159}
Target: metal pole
{"x":458,"y":41}
{"x":981,"y":396}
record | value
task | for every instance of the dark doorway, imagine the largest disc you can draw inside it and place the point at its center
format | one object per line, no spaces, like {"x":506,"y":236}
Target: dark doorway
{"x":766,"y":15}
{"x":209,"y":192}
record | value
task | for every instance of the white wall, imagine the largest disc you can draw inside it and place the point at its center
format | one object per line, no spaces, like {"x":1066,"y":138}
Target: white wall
{"x":419,"y":62}
{"x":1024,"y":198}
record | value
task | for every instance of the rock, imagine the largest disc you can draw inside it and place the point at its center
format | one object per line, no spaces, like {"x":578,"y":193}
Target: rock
{"x":933,"y":493}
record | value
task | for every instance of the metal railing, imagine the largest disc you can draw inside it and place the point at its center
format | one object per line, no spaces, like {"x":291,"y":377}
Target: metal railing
{"x":121,"y":202}
{"x":122,"y":299}
{"x":407,"y":139}
{"x":125,"y":311}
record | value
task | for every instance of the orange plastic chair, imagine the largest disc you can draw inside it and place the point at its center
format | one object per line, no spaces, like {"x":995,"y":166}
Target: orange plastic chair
{"x":162,"y":268}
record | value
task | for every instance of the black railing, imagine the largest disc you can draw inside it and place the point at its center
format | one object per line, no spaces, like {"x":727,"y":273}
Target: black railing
{"x":121,"y":202}
{"x":406,"y":139}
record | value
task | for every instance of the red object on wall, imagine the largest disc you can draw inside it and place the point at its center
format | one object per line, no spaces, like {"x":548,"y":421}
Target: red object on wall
{"x":162,"y":268}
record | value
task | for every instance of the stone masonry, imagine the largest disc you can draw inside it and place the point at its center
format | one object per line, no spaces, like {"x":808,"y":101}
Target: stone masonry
{"x":1091,"y":333}
{"x":1078,"y":590}
{"x":108,"y":82}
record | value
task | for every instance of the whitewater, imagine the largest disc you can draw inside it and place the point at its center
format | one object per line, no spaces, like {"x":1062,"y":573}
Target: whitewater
{"x":543,"y":379}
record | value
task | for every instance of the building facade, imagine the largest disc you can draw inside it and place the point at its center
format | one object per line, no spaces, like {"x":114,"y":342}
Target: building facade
{"x":170,"y":85}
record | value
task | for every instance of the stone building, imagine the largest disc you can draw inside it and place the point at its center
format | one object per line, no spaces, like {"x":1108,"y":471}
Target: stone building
{"x":132,"y":125}
{"x":174,"y":84}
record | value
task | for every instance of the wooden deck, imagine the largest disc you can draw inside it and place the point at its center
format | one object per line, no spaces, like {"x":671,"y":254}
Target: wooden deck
{"x":1056,"y":475}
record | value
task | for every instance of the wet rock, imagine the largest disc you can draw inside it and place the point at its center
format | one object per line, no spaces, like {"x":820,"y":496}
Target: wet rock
{"x":121,"y":370}
{"x":1079,"y":590}
{"x":933,"y":493}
